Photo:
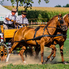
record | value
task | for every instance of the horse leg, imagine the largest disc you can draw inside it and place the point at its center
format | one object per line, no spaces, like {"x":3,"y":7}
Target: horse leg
{"x":61,"y":51}
{"x":42,"y":51}
{"x":30,"y":51}
{"x":53,"y":52}
{"x":49,"y":56}
{"x":21,"y":53}
{"x":14,"y":45}
{"x":26,"y":53}
{"x":2,"y":53}
{"x":37,"y":50}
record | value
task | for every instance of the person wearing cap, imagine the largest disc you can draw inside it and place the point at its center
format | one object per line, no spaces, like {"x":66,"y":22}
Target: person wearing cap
{"x":21,"y":19}
{"x":9,"y":19}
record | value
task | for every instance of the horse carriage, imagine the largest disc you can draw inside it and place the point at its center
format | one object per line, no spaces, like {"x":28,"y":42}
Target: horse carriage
{"x":5,"y":36}
{"x":42,"y":36}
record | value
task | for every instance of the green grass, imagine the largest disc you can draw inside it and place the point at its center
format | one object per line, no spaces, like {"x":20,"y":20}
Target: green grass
{"x":36,"y":66}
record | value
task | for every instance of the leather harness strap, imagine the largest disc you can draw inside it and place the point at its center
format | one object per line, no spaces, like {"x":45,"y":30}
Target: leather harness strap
{"x":43,"y":32}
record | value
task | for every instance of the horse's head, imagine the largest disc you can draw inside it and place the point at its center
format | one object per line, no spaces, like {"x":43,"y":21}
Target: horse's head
{"x":61,"y":23}
{"x":57,"y":22}
{"x":66,"y":18}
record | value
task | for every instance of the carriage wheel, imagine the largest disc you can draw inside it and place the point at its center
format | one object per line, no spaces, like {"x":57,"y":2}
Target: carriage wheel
{"x":3,"y":51}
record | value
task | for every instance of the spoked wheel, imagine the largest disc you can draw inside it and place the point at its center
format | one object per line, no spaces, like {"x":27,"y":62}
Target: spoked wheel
{"x":3,"y":51}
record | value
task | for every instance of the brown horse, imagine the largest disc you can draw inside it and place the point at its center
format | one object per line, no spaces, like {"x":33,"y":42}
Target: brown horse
{"x":29,"y":37}
{"x":60,"y":40}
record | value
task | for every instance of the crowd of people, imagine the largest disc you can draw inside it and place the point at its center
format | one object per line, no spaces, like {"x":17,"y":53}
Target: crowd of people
{"x":11,"y":20}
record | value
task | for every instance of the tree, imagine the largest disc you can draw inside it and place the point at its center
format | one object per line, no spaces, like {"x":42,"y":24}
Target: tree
{"x":25,"y":3}
{"x":1,"y":2}
{"x":67,"y":5}
{"x":58,"y":6}
{"x":39,"y":16}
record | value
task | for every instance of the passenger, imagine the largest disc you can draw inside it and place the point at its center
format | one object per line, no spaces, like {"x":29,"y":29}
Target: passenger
{"x":21,"y":19}
{"x":10,"y":19}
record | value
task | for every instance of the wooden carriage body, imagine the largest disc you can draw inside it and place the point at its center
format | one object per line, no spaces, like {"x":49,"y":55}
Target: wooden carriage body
{"x":5,"y":34}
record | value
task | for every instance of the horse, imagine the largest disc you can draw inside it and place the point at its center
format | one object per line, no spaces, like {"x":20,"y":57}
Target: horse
{"x":37,"y":37}
{"x":60,"y":40}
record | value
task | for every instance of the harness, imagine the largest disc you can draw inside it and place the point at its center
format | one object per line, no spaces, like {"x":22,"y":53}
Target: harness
{"x":46,"y":35}
{"x":39,"y":37}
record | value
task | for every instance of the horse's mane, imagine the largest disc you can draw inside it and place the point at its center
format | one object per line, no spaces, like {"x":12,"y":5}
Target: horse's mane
{"x":65,"y":16}
{"x":46,"y":24}
{"x":51,"y":19}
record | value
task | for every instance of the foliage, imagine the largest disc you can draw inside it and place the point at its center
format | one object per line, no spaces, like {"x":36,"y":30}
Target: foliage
{"x":39,"y":18}
{"x":44,"y":16}
{"x":25,"y":3}
{"x":47,"y":1}
{"x":67,"y":5}
{"x":1,"y":2}
{"x":58,"y":6}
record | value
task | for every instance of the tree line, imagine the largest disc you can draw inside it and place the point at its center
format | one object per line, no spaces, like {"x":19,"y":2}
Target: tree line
{"x":67,"y":5}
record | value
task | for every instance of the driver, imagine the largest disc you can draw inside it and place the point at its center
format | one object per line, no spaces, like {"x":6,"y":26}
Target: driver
{"x":21,"y":19}
{"x":9,"y":19}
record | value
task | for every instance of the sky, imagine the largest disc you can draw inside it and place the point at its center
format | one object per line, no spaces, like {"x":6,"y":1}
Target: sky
{"x":52,"y":3}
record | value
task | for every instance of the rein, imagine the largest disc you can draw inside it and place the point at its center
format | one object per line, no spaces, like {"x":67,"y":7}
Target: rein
{"x":36,"y":38}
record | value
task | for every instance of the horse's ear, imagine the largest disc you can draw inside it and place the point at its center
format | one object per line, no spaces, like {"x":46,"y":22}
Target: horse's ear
{"x":68,"y":15}
{"x":60,"y":14}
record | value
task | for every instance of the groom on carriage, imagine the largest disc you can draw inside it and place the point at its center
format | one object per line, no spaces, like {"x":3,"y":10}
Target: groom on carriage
{"x":21,"y":19}
{"x":11,"y":21}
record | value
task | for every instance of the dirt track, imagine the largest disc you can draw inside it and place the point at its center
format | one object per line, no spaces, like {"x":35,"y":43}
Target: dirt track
{"x":16,"y":59}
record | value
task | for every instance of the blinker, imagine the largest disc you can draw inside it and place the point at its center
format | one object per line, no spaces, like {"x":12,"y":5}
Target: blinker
{"x":61,"y":21}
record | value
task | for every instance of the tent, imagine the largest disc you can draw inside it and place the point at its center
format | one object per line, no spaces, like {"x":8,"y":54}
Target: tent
{"x":3,"y":12}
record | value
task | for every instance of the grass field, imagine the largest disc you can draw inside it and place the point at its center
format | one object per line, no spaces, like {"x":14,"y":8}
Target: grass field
{"x":36,"y":66}
{"x":58,"y":9}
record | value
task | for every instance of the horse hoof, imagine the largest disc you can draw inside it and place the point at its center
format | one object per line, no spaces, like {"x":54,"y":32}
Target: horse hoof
{"x":43,"y":62}
{"x":46,"y":60}
{"x":64,"y":62}
{"x":51,"y":58}
{"x":24,"y":61}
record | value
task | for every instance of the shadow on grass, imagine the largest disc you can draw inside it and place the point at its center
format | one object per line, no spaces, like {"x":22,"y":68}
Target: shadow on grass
{"x":55,"y":62}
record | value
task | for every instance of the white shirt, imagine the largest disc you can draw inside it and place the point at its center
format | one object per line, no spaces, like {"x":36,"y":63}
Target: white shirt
{"x":21,"y":20}
{"x":10,"y":16}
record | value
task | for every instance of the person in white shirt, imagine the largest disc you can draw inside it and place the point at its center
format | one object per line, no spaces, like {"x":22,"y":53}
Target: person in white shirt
{"x":9,"y":19}
{"x":21,"y":19}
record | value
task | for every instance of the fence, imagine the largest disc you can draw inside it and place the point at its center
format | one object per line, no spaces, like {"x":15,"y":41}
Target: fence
{"x":35,"y":24}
